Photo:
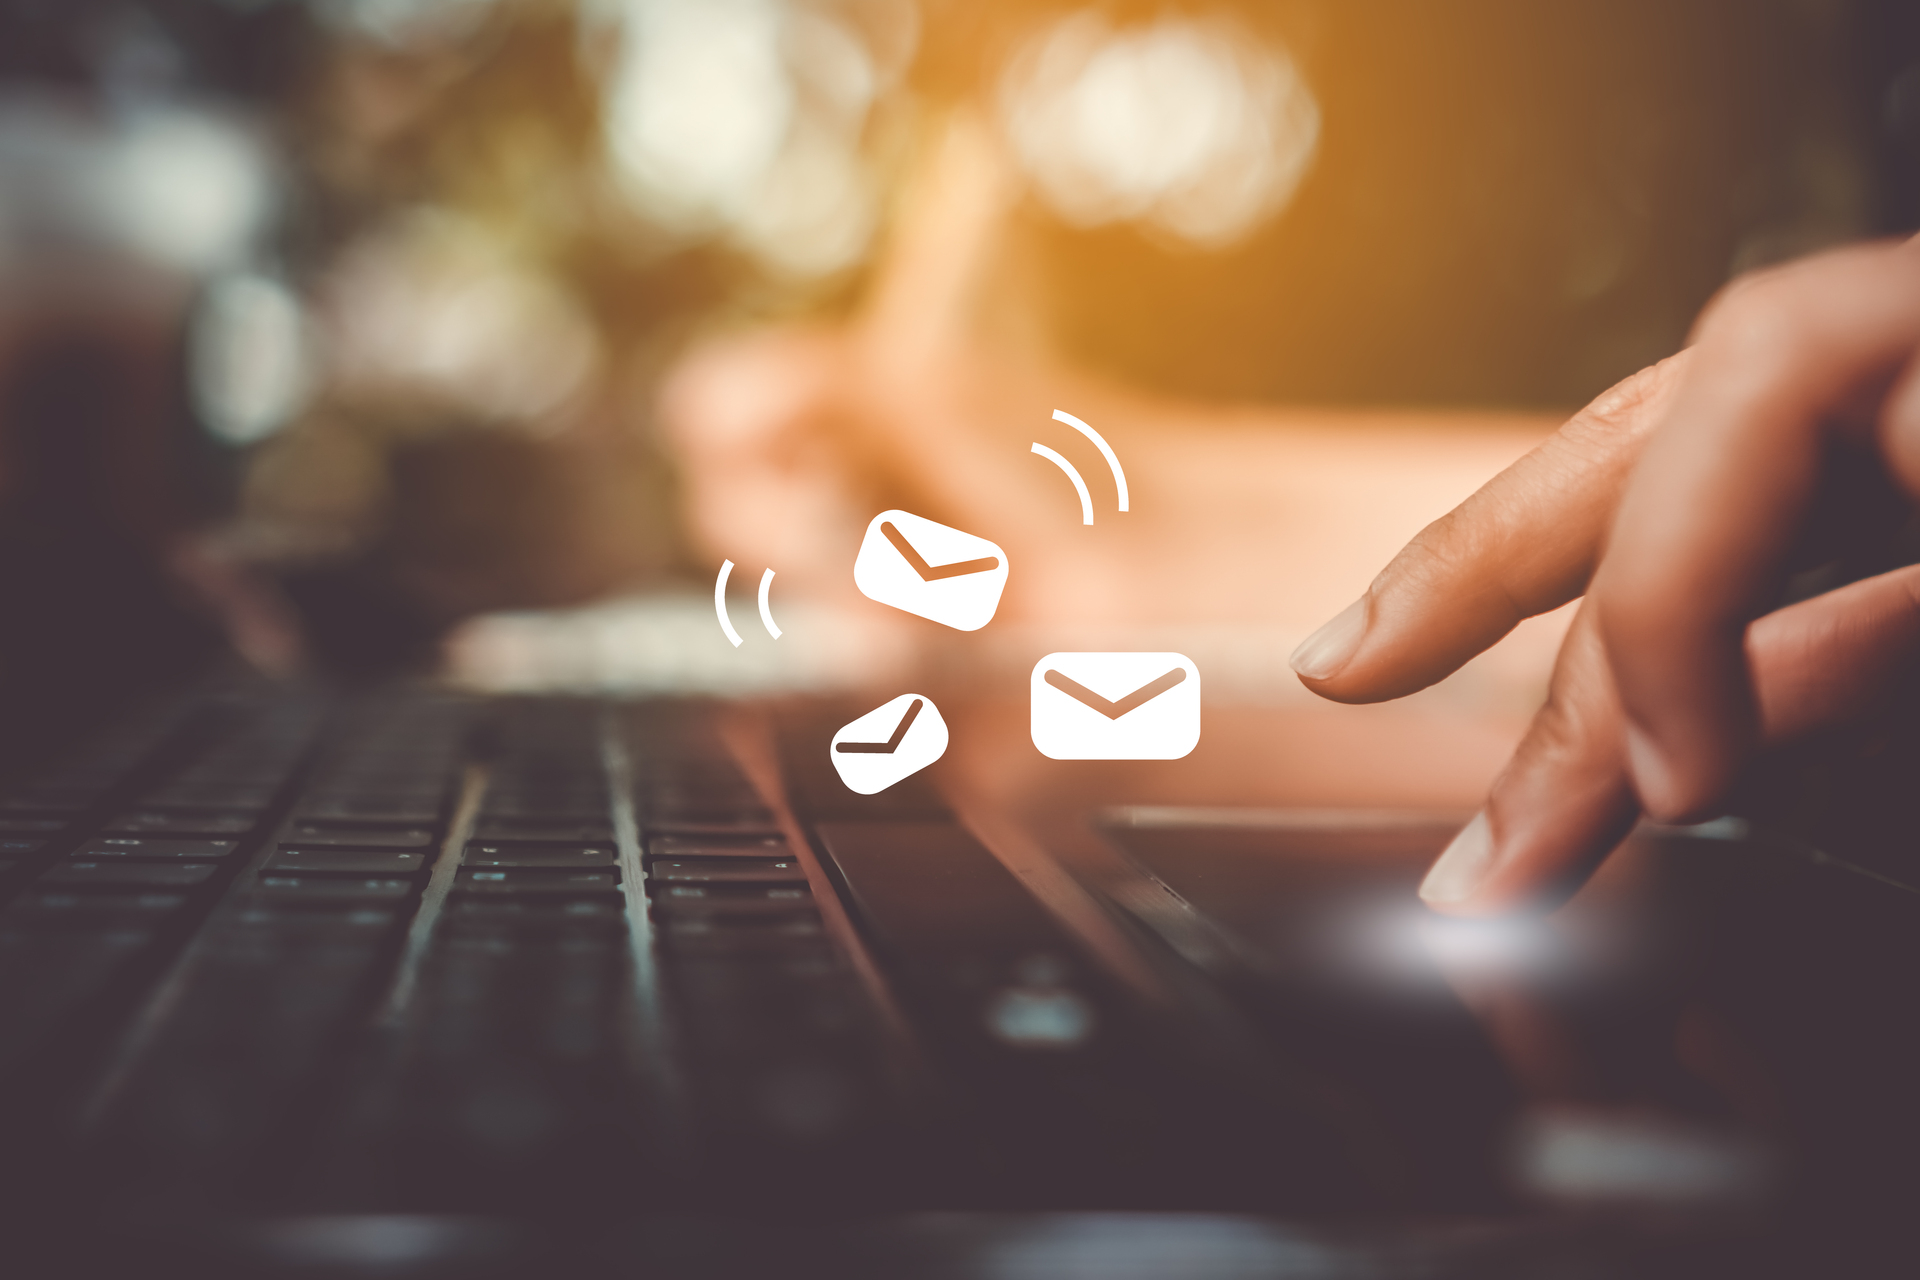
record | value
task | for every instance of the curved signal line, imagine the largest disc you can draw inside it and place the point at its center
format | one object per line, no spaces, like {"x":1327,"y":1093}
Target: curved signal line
{"x":1106,"y":451}
{"x":720,"y":602}
{"x":1079,"y":485}
{"x":766,"y":614}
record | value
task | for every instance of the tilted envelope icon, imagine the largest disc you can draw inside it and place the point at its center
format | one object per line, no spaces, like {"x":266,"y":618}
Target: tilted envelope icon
{"x":888,"y":743}
{"x":1116,"y":706}
{"x":930,"y":570}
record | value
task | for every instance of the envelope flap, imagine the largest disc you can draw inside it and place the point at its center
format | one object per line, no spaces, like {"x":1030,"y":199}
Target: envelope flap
{"x":936,"y":542}
{"x":1115,"y":676}
{"x":880,"y":722}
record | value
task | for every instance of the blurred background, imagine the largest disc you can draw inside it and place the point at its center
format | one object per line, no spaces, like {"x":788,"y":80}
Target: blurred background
{"x":359,"y":336}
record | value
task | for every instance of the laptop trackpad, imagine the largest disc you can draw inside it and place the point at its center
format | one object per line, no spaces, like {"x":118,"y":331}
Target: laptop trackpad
{"x":1314,"y":928}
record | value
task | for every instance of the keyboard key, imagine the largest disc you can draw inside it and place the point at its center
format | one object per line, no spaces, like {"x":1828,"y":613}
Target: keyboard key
{"x":750,"y":824}
{"x":14,"y":847}
{"x":532,"y":908}
{"x":148,"y":847}
{"x":373,"y":810}
{"x":22,"y":826}
{"x":760,"y":946}
{"x":161,"y":822}
{"x":520,"y":880}
{"x":480,"y":854}
{"x":533,"y":832}
{"x":346,"y":861}
{"x":670,"y":898}
{"x":727,"y":870}
{"x":189,"y":796}
{"x":54,"y":909}
{"x":157,"y":874}
{"x":229,"y":776}
{"x":57,"y":900}
{"x":38,"y":803}
{"x":710,"y":846}
{"x":782,"y":924}
{"x":307,"y":888}
{"x":554,"y":919}
{"x":318,"y":833}
{"x":560,"y":810}
{"x":276,"y":926}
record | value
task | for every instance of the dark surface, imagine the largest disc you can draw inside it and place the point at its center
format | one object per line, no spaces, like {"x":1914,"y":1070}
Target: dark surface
{"x":1401,"y":1041}
{"x":1741,"y":979}
{"x":657,"y":1046}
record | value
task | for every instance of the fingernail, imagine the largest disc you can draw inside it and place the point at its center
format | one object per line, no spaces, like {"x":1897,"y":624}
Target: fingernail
{"x":1322,"y":654}
{"x":1651,"y":777}
{"x":1463,"y":868}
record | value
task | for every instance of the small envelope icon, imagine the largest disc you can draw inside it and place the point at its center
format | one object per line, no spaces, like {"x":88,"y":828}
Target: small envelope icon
{"x":930,"y":570}
{"x":888,"y":743}
{"x":1116,"y":706}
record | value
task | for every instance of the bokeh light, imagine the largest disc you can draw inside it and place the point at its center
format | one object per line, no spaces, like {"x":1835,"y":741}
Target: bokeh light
{"x":743,"y":119}
{"x":437,"y":306}
{"x":1191,"y":125}
{"x":183,"y":186}
{"x":252,"y":363}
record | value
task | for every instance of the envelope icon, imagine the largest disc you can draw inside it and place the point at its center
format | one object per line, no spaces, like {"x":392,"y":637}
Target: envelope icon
{"x":930,"y":570}
{"x":888,"y":743}
{"x":1116,"y":706}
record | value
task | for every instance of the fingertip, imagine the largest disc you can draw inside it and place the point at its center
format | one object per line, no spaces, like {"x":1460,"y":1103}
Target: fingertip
{"x":1327,"y":652}
{"x":1454,"y":881}
{"x":1559,"y":807}
{"x":1481,"y":876}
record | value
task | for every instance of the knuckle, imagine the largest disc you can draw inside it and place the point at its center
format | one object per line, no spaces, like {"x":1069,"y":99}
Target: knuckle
{"x":1558,"y":733}
{"x":1460,"y":554}
{"x":1570,"y":738}
{"x":1482,"y":550}
{"x":1758,"y":315}
{"x":1628,"y":405}
{"x":1810,"y":304}
{"x":1434,"y":555}
{"x":1581,"y":716}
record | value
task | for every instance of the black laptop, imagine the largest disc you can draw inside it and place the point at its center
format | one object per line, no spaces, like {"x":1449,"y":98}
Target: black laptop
{"x":300,"y":981}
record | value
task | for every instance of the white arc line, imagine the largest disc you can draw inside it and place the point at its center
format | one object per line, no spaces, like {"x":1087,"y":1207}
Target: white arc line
{"x":1106,"y":451}
{"x":720,"y":602}
{"x":1079,"y":485}
{"x":766,"y":614}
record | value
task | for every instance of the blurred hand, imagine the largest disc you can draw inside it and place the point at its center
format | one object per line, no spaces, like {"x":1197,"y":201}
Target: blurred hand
{"x":1680,"y":503}
{"x":788,"y":440}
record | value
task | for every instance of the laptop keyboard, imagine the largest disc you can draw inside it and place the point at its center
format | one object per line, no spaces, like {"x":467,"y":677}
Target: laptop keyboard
{"x":273,"y":955}
{"x":266,"y":950}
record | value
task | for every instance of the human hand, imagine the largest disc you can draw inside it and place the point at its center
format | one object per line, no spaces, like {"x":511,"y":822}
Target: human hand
{"x":1680,"y":503}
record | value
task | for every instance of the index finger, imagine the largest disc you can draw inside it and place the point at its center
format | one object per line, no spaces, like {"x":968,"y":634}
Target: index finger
{"x":1524,"y":544}
{"x":1718,"y":494}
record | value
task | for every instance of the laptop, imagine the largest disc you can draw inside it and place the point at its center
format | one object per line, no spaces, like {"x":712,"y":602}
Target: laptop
{"x":309,"y":980}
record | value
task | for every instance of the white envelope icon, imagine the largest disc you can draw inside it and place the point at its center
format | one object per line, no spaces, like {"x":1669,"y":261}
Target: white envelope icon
{"x":1116,"y":706}
{"x":930,"y":570}
{"x":893,"y":740}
